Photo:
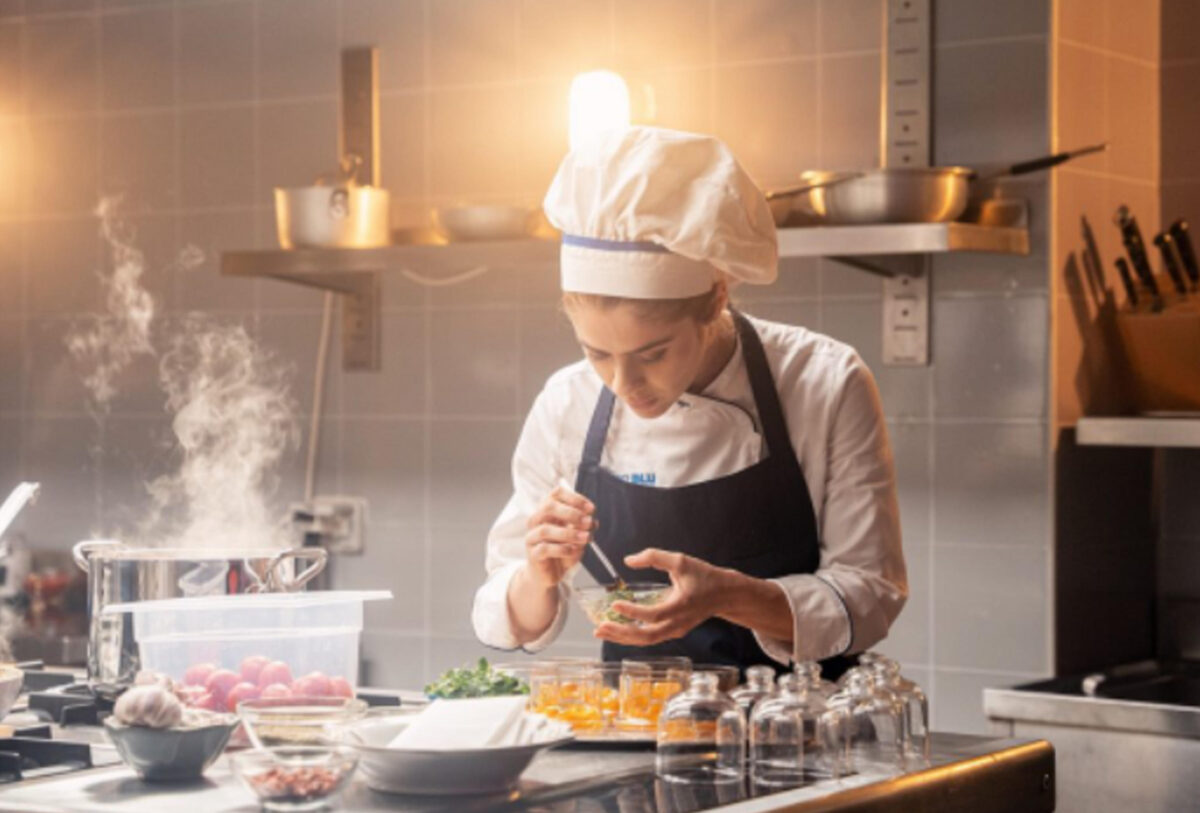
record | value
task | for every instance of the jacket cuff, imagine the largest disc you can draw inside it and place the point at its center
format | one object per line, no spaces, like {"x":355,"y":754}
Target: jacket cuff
{"x":822,"y":626}
{"x":490,"y":618}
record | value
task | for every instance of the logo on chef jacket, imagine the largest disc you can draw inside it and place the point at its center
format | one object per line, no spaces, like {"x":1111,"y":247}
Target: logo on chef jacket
{"x":640,"y":478}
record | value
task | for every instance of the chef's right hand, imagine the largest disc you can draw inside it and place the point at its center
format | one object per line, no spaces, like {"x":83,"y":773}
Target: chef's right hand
{"x":558,"y":533}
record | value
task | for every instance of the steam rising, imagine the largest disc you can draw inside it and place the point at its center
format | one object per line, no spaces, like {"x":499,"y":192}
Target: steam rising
{"x":233,"y":422}
{"x":233,"y":415}
{"x":122,"y":332}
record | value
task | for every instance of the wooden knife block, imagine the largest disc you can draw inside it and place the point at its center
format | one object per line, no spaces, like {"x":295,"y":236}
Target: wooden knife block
{"x":1163,"y":350}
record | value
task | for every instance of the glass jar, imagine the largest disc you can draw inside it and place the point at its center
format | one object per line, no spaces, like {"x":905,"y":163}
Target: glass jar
{"x":793,"y":736}
{"x":811,"y":672}
{"x":873,"y":719}
{"x":701,"y":735}
{"x":915,"y":705}
{"x":646,"y":686}
{"x":760,"y":684}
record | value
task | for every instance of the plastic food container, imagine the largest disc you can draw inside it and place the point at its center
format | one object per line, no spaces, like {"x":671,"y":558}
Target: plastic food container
{"x":190,"y":639}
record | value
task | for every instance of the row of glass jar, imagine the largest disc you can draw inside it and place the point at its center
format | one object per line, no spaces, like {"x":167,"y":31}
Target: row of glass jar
{"x":618,"y":697}
{"x":790,"y":730}
{"x":798,"y":728}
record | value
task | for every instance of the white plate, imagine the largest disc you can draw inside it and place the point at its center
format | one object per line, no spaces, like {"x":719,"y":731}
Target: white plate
{"x":437,"y":772}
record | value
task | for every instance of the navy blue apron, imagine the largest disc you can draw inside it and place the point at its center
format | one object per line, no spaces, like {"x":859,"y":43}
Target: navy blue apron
{"x":759,"y":521}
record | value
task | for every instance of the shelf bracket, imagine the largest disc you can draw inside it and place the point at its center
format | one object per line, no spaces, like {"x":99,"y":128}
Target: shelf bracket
{"x":361,"y":310}
{"x":906,"y":319}
{"x":887,"y":266}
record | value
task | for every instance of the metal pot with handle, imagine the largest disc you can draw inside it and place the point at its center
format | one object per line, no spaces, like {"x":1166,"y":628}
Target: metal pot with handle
{"x":119,"y":573}
{"x":895,"y":194}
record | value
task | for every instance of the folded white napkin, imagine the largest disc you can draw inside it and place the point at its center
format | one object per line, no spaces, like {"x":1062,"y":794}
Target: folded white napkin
{"x":474,"y":723}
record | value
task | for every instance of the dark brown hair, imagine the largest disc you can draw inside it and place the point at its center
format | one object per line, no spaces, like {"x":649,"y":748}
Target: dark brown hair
{"x":701,"y":309}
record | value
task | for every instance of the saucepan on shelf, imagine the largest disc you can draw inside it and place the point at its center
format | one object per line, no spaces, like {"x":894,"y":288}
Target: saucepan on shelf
{"x":895,"y":194}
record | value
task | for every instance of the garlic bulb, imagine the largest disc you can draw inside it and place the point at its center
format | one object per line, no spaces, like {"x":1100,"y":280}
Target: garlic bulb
{"x":150,"y":706}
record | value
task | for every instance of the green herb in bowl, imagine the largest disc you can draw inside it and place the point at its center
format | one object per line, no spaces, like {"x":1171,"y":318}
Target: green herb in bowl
{"x":597,"y":601}
{"x":480,"y":681}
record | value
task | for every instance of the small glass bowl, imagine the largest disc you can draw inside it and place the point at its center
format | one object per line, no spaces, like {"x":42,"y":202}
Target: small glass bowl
{"x":284,"y":721}
{"x":295,"y":777}
{"x":597,"y":600}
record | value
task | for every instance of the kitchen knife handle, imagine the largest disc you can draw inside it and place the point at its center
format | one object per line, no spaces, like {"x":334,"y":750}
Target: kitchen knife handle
{"x":1171,"y":261}
{"x":1131,"y":236}
{"x":1183,"y":241}
{"x":1127,"y":281}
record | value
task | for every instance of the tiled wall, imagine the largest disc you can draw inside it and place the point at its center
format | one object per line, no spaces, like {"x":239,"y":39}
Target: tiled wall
{"x":1106,"y":87}
{"x":194,"y":109}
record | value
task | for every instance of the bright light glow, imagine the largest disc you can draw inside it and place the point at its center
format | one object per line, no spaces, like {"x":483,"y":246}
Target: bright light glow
{"x":599,"y":102}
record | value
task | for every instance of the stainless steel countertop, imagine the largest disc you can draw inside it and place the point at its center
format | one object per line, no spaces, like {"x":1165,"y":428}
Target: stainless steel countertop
{"x":966,"y":773}
{"x":1117,"y":714}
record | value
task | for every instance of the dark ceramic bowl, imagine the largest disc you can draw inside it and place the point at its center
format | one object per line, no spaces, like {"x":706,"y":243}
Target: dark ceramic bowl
{"x":170,"y":754}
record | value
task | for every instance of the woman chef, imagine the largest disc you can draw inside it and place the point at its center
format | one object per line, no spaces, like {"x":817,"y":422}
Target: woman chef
{"x":746,"y":461}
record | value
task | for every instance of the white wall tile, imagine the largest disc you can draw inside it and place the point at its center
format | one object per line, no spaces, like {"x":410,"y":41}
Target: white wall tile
{"x":474,"y":359}
{"x":12,"y":363}
{"x":137,"y":160}
{"x":990,"y":485}
{"x":393,"y":559}
{"x":384,"y":461}
{"x":990,"y":608}
{"x":216,"y":51}
{"x":297,"y":48}
{"x":470,"y":481}
{"x":60,"y":65}
{"x":137,"y":58}
{"x":217,"y":154}
{"x":457,"y":571}
{"x":62,"y":261}
{"x":764,"y":29}
{"x":989,"y":357}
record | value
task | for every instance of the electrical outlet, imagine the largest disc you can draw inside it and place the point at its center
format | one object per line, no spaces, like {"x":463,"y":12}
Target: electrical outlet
{"x":335,"y":522}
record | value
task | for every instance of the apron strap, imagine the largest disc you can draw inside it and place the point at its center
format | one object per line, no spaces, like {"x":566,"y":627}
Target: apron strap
{"x":597,"y":432}
{"x":762,"y":383}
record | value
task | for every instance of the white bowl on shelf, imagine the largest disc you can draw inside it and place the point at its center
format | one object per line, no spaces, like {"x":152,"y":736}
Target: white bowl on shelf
{"x":439,"y":772}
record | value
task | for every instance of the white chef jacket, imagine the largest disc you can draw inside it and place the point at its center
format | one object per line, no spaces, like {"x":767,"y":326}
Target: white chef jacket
{"x":836,"y":425}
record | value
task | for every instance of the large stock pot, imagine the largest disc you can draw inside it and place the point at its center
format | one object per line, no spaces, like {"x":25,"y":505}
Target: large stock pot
{"x":119,"y":573}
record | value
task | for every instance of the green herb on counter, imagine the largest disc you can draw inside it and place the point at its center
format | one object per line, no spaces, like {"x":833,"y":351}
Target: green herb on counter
{"x":481,"y":681}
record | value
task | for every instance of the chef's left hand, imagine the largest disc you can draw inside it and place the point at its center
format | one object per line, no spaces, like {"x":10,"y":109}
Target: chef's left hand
{"x":697,"y":589}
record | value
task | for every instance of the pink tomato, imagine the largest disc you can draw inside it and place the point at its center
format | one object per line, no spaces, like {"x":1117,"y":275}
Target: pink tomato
{"x":198,"y":673}
{"x":275,"y":690}
{"x":240,"y":692}
{"x":252,"y":666}
{"x":340,"y":687}
{"x":274,"y":672}
{"x":314,"y":684}
{"x":220,"y":682}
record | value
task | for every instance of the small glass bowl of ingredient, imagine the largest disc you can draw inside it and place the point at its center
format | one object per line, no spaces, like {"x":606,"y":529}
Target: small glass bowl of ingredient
{"x":597,"y":600}
{"x":295,"y":777}
{"x":281,"y":721}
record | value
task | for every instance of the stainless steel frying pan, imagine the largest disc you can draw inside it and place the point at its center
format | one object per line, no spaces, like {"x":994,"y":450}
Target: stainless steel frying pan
{"x":895,"y":194}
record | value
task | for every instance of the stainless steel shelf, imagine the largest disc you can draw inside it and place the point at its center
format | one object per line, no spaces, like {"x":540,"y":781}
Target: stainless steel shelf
{"x":1174,"y":433}
{"x":901,"y":238}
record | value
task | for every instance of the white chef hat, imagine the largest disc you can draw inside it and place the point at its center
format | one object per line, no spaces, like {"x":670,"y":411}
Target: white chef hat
{"x":648,"y":213}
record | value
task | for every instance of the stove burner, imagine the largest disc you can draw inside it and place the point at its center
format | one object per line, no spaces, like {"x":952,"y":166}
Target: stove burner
{"x":30,"y":757}
{"x":72,"y":704}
